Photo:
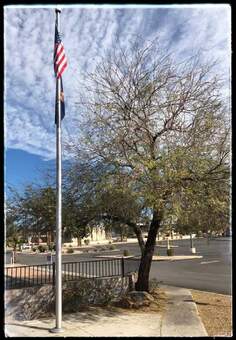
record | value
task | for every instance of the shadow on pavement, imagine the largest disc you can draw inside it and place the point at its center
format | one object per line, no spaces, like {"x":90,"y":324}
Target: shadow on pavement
{"x":95,"y":313}
{"x":28,"y":326}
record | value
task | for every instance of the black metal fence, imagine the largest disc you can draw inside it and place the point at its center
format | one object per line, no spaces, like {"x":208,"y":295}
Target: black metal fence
{"x":33,"y":275}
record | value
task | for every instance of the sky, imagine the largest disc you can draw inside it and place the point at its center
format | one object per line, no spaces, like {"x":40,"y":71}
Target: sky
{"x":88,"y":33}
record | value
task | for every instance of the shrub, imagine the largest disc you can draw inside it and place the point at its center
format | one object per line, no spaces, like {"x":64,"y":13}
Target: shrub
{"x":52,"y":247}
{"x":70,"y":250}
{"x":198,"y":233}
{"x":42,"y":248}
{"x":126,"y":252}
{"x":158,"y":254}
{"x":112,"y":247}
{"x":34,"y":249}
{"x":86,"y":242}
{"x":170,"y":252}
{"x":70,"y":245}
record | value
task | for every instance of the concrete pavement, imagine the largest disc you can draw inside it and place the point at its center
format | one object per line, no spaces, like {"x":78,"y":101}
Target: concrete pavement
{"x":179,"y":319}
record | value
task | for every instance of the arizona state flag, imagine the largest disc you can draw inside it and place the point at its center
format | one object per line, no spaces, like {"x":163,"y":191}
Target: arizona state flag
{"x":61,"y":101}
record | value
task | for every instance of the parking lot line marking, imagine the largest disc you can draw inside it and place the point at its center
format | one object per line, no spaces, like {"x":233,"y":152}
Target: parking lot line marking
{"x":206,"y":262}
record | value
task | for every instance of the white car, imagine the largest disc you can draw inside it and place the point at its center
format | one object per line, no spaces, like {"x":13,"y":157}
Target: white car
{"x":25,"y":246}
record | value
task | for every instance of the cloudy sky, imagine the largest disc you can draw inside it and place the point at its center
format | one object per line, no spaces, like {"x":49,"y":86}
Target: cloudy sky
{"x":87,"y":33}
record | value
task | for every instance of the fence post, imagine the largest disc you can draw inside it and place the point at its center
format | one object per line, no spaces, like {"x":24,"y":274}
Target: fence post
{"x":53,"y":273}
{"x":123,"y":266}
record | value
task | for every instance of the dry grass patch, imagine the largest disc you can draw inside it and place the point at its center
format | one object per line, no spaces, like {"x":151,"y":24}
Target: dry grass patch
{"x":215,"y":311}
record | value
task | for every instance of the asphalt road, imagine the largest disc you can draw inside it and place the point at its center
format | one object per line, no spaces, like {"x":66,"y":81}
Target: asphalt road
{"x":212,"y":272}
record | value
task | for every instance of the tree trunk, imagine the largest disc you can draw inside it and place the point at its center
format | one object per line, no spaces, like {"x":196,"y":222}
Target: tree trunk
{"x":121,"y":234}
{"x":139,"y":236}
{"x":142,"y":283}
{"x":49,"y":239}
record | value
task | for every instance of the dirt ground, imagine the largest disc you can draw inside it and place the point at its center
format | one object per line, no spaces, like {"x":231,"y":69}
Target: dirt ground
{"x":215,"y":311}
{"x":157,"y":306}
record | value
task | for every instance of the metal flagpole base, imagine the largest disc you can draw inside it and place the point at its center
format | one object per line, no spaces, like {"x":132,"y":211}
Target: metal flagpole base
{"x":56,"y":330}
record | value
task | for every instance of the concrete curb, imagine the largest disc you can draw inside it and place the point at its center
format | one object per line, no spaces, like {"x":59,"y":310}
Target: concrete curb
{"x":176,"y":257}
{"x":156,"y":258}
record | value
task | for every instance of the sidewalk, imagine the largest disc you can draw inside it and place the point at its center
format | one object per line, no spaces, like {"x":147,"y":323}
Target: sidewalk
{"x":179,"y":319}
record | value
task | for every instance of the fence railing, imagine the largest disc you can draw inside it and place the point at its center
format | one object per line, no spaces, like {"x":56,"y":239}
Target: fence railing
{"x":33,"y":275}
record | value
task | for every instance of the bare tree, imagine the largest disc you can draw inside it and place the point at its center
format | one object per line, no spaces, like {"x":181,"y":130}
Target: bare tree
{"x":162,"y":126}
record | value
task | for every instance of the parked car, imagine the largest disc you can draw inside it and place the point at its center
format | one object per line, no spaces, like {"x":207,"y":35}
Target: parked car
{"x":25,"y":246}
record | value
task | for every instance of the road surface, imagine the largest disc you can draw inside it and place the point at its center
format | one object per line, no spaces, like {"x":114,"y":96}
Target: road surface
{"x":212,"y":272}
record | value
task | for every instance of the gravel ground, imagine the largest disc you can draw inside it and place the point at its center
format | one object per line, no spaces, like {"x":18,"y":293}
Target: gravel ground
{"x":215,"y":311}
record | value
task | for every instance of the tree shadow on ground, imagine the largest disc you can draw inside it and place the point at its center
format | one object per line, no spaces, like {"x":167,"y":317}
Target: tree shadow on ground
{"x":28,"y":326}
{"x":93,"y":313}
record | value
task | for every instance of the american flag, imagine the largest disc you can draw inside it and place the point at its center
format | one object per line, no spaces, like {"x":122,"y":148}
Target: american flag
{"x":60,"y":61}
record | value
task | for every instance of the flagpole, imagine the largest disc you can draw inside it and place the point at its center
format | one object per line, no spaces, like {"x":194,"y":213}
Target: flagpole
{"x":58,"y":274}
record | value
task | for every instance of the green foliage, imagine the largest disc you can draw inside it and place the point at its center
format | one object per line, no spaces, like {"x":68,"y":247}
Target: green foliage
{"x":86,"y":242}
{"x":170,"y":252}
{"x":70,"y":250}
{"x":42,"y":248}
{"x":126,"y":252}
{"x":204,"y":209}
{"x":35,"y":209}
{"x":52,"y":247}
{"x":198,"y":233}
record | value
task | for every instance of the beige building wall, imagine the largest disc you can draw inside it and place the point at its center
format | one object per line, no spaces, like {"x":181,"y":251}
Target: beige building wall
{"x":97,"y":235}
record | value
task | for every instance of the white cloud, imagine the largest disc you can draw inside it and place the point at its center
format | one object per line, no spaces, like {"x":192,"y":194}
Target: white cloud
{"x":87,"y":33}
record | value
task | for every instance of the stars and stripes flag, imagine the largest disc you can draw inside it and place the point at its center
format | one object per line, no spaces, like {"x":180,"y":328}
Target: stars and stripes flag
{"x":60,"y":61}
{"x":60,"y":64}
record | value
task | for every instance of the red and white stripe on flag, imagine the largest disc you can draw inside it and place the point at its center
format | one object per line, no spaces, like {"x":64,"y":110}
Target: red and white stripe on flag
{"x":60,"y":61}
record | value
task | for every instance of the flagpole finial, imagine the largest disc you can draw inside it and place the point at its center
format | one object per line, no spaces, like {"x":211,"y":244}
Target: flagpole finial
{"x":58,"y":9}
